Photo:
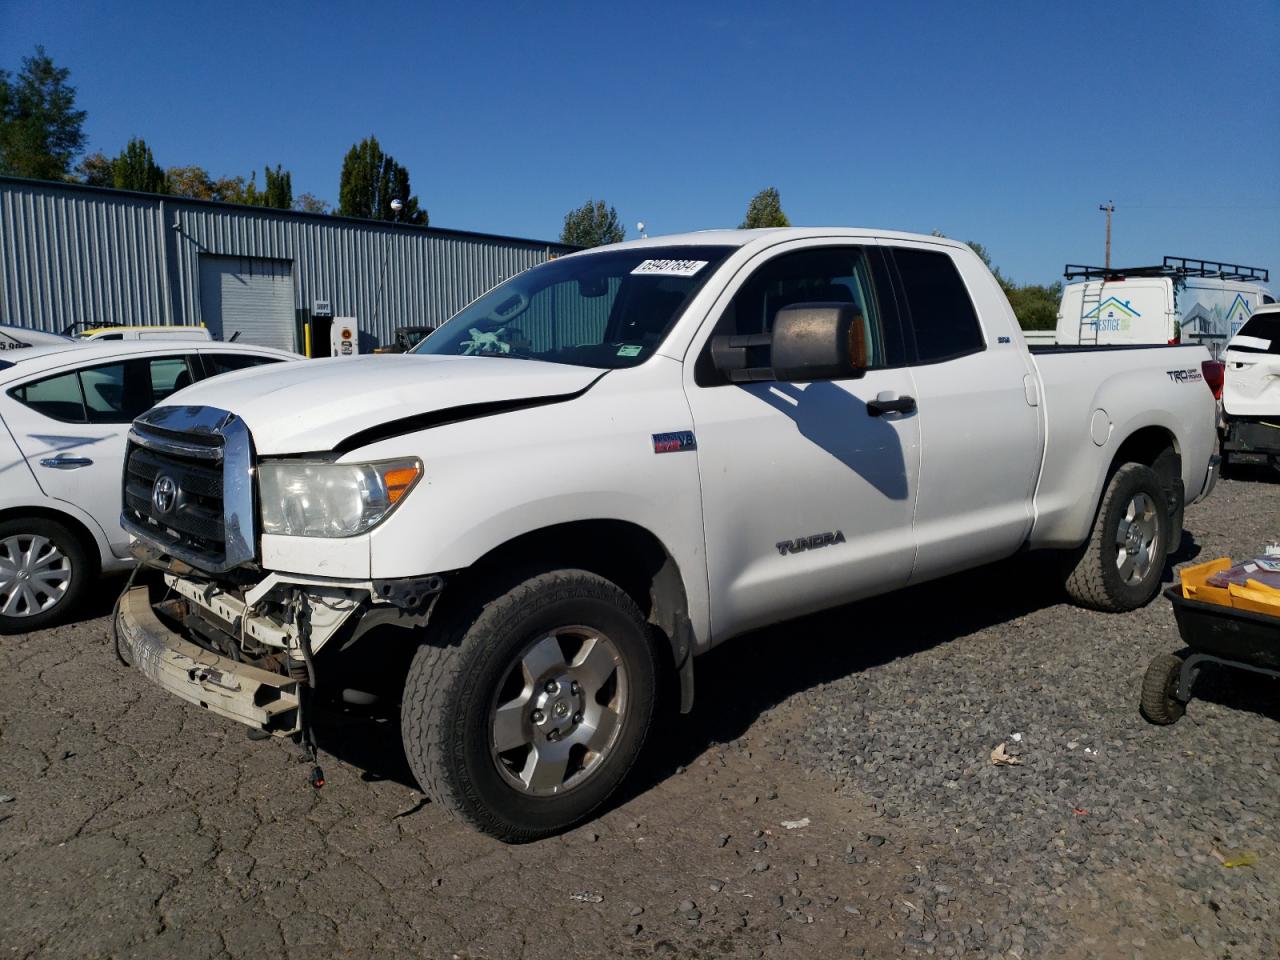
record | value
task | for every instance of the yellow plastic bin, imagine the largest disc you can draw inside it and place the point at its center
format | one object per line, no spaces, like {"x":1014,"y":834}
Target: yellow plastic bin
{"x":1195,"y":588}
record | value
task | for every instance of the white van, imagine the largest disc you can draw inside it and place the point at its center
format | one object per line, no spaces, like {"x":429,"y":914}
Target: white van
{"x":147,"y":333}
{"x":1179,"y":301}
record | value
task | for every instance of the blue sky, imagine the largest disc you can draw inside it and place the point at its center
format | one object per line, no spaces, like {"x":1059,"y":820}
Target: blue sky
{"x":1007,"y":123}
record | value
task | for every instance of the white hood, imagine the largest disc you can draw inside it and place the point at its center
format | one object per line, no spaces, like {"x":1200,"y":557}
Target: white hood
{"x":313,"y":406}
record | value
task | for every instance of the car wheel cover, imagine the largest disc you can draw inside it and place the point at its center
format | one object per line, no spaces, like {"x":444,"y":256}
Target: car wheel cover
{"x":34,"y":575}
{"x":558,"y":711}
{"x":1137,"y":539}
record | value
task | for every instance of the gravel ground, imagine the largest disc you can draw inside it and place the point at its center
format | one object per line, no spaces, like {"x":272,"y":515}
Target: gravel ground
{"x":831,"y":796}
{"x":1103,"y":839}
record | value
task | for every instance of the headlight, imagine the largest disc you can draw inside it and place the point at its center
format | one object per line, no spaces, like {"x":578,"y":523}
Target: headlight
{"x":302,"y":498}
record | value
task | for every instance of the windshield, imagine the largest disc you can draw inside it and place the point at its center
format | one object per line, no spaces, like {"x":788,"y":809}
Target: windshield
{"x":610,"y":309}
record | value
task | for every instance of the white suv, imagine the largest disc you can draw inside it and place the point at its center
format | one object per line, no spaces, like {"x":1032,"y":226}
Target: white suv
{"x":1251,"y":394}
{"x":64,"y":415}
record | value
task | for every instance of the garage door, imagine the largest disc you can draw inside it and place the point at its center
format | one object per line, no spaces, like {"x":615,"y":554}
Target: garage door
{"x":248,"y":295}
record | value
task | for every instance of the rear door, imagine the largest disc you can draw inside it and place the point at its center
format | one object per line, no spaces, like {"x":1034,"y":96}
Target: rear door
{"x":977,"y":393}
{"x":71,"y":425}
{"x":807,"y":496}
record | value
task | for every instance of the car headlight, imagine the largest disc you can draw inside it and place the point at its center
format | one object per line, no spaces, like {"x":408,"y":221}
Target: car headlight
{"x":307,"y":498}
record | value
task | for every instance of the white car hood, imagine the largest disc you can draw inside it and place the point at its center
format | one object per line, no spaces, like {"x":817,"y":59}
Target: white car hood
{"x":314,"y":406}
{"x":1252,"y":384}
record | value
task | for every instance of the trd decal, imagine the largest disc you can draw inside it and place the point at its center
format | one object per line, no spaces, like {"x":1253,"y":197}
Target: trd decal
{"x":1185,"y":376}
{"x":674,"y":442}
{"x":812,"y":542}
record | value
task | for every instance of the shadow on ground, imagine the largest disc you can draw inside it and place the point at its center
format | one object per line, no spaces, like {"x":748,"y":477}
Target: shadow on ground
{"x":745,"y":677}
{"x":742,"y":679}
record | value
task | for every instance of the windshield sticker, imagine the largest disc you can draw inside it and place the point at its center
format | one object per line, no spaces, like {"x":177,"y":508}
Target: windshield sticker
{"x":668,"y":268}
{"x":630,"y":350}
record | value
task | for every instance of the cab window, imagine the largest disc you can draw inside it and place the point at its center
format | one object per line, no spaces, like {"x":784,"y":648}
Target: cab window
{"x":940,"y":314}
{"x":846,"y":275}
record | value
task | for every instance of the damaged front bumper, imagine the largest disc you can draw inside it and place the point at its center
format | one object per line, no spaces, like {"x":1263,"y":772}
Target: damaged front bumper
{"x":268,"y":701}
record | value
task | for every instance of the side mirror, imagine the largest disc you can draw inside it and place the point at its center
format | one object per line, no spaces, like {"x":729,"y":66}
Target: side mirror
{"x":810,"y":341}
{"x":819,"y":341}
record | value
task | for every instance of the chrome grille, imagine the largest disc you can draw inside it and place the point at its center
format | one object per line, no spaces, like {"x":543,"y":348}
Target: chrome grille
{"x":187,"y":486}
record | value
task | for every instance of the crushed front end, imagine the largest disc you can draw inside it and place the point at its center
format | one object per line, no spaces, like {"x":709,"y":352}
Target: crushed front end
{"x":217,"y":629}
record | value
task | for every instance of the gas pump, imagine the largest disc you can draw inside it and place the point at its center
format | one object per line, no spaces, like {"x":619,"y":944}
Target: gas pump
{"x":344,"y":337}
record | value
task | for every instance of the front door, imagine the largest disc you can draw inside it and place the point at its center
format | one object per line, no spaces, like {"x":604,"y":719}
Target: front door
{"x":807,"y":497}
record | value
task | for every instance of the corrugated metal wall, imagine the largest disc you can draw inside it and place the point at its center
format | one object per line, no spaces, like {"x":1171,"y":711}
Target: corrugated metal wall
{"x":79,"y":254}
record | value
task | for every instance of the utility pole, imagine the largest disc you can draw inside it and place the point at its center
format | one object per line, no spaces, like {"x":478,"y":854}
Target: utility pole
{"x":1108,"y":208}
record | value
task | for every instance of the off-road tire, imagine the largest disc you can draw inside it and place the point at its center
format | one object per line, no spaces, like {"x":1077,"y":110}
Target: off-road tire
{"x":452,"y":681}
{"x":1160,"y":704}
{"x":1092,"y":579}
{"x":84,"y":570}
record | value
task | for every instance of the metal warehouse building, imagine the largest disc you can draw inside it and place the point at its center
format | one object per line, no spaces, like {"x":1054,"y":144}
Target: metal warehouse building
{"x":88,"y":255}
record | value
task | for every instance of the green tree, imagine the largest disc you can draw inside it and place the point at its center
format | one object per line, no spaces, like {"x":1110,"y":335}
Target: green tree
{"x":765,"y":210}
{"x":41,"y":132}
{"x":1036,"y":306}
{"x":370,"y":180}
{"x":592,"y":225}
{"x":193,"y":182}
{"x":136,"y":169}
{"x":310,"y":203}
{"x":95,"y":170}
{"x":279,"y":188}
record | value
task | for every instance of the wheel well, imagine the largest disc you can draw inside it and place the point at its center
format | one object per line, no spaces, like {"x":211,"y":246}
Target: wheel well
{"x":621,"y":552}
{"x":1154,"y":447}
{"x":77,"y":528}
{"x":1157,"y":448}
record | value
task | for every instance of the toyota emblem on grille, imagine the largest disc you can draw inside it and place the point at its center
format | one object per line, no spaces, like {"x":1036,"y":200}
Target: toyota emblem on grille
{"x":164,"y":494}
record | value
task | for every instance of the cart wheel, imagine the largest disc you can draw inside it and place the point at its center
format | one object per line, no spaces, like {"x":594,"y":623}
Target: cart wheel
{"x":1160,"y":704}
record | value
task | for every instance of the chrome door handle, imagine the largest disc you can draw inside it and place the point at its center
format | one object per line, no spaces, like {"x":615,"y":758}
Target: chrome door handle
{"x":63,"y":462}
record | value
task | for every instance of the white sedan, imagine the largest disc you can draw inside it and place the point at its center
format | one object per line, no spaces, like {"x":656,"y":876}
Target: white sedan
{"x":64,"y":414}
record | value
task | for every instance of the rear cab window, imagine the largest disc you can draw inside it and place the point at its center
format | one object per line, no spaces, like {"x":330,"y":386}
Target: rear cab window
{"x":939,"y":311}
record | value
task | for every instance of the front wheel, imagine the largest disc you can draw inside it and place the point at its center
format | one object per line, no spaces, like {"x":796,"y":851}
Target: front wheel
{"x":526,"y":716}
{"x":44,"y":574}
{"x":1120,"y":566}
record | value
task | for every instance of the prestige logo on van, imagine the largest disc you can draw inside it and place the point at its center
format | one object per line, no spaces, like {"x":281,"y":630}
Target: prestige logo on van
{"x":1112,"y":315}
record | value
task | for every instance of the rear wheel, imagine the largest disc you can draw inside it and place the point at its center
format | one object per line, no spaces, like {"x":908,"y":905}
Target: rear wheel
{"x":44,"y":574}
{"x":529,"y":713}
{"x":1120,"y":566}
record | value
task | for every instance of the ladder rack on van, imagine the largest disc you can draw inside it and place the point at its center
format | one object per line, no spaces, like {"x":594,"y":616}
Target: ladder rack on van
{"x":1172,"y":267}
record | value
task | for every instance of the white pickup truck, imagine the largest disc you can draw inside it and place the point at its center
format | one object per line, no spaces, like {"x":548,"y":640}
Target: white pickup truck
{"x":613,"y":462}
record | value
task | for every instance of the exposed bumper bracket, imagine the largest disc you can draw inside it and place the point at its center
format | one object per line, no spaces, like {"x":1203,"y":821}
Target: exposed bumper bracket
{"x":263,"y":700}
